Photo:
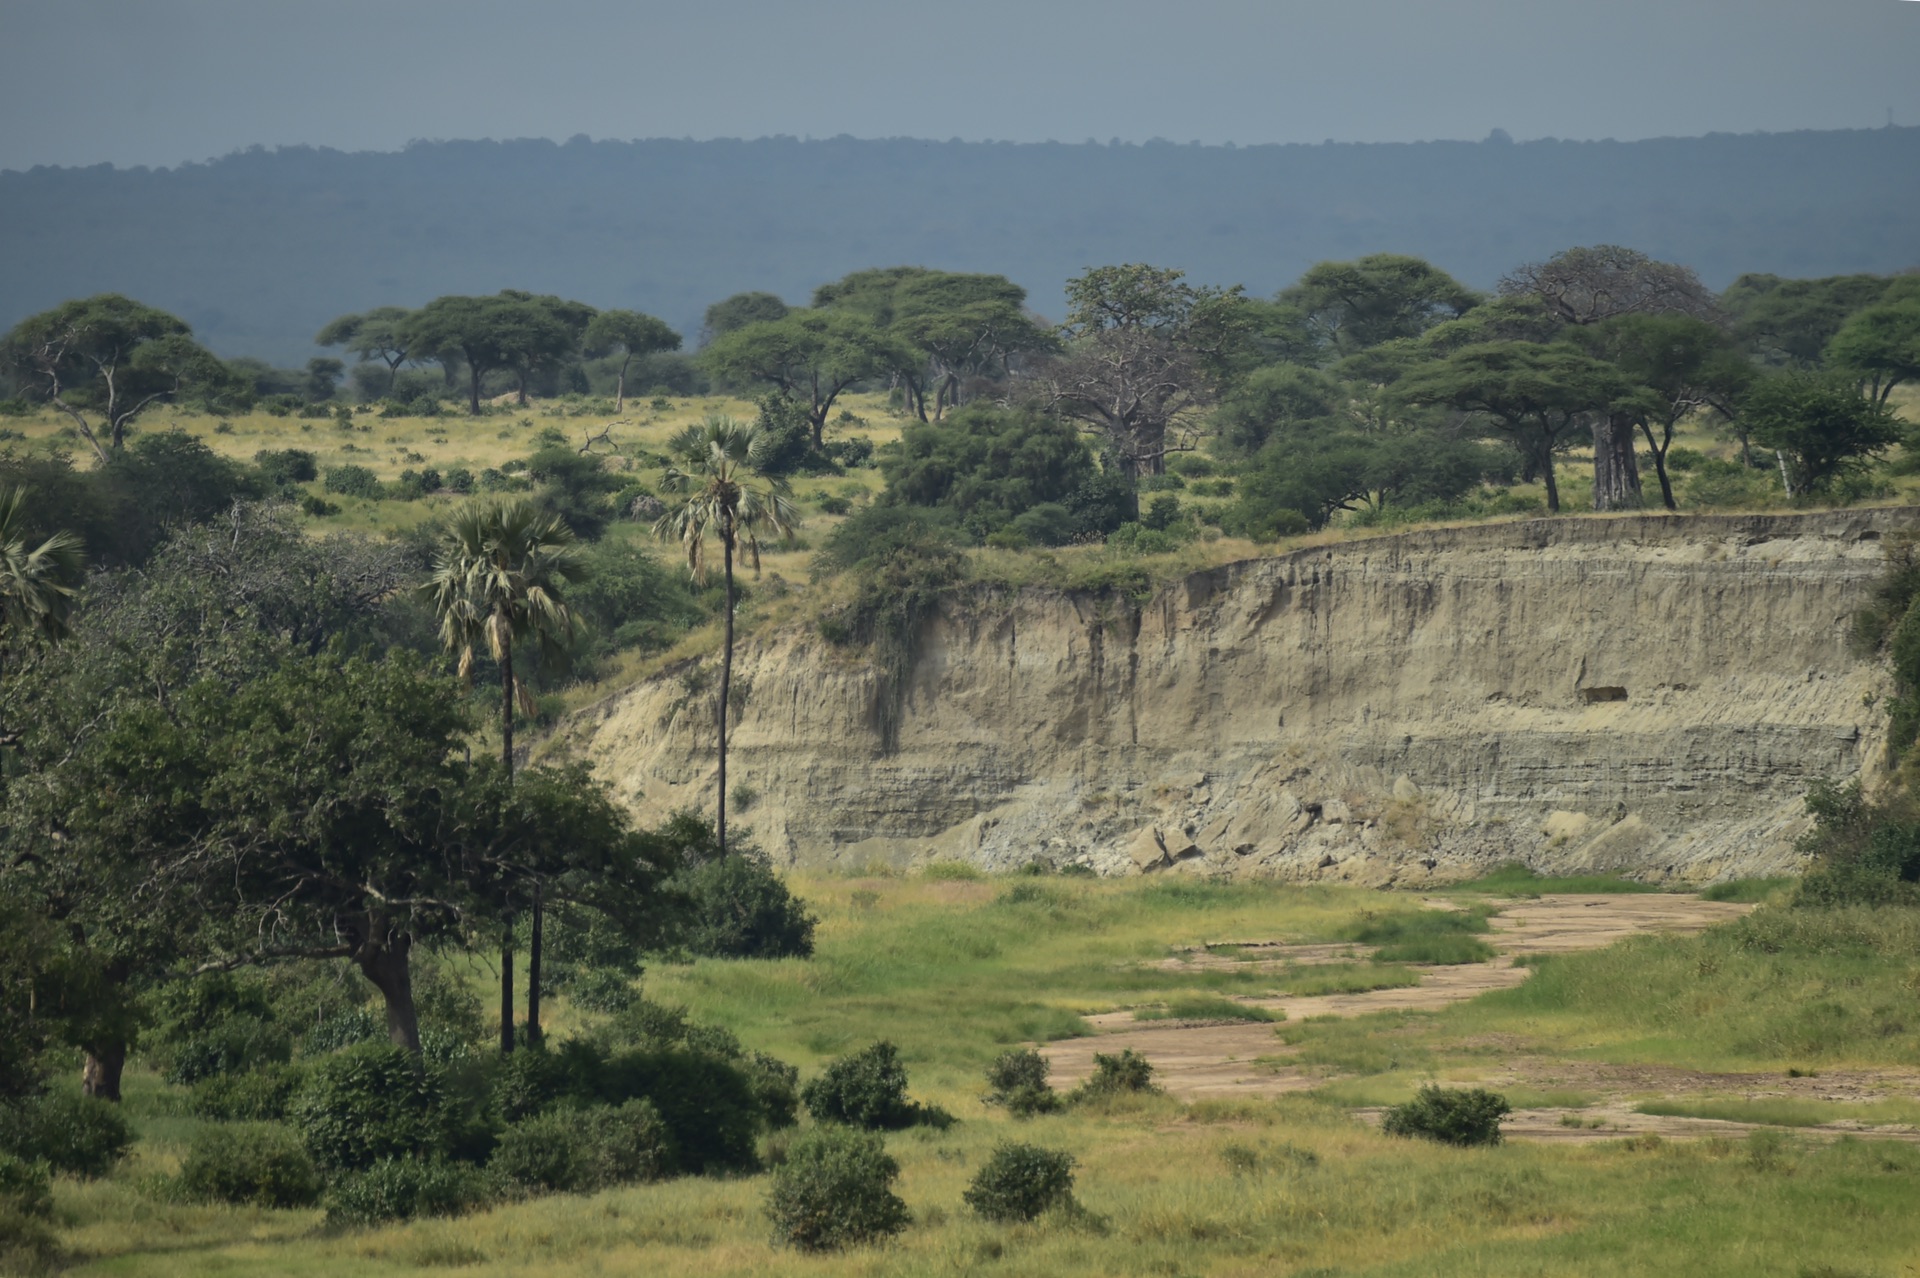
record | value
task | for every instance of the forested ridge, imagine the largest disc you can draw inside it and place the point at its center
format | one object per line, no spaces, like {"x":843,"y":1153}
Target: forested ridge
{"x":256,"y":250}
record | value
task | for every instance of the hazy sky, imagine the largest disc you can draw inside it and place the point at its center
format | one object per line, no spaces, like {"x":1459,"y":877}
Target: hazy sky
{"x":161,"y":81}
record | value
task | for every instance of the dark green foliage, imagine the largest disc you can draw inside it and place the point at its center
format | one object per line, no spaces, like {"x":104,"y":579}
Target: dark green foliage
{"x":1424,"y":936}
{"x":786,"y":433}
{"x":707,"y":1103}
{"x":352,"y":481}
{"x":1863,"y":853}
{"x":285,"y":467}
{"x":739,"y":907}
{"x":1452,"y":1117}
{"x":25,"y":1187}
{"x":834,"y":1191}
{"x":575,"y":1150}
{"x":263,"y":1093}
{"x":219,"y":1024}
{"x":988,"y":464}
{"x":1019,"y":1182}
{"x":1017,"y":1079}
{"x":868,"y":1089}
{"x":255,"y":1165}
{"x":370,"y":1102}
{"x":575,"y":486}
{"x":1821,"y":422}
{"x":528,"y":1082}
{"x":630,"y":599}
{"x":75,"y":1134}
{"x":401,"y":1188}
{"x":1127,"y":1073}
{"x":1100,"y":504}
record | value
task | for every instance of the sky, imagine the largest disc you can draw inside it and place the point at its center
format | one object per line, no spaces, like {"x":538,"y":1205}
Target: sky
{"x":159,"y":82}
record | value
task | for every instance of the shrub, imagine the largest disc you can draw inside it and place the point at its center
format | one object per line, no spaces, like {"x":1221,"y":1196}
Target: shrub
{"x":75,"y":1134}
{"x":257,"y":1165}
{"x":1018,"y":1182}
{"x":707,"y":1103}
{"x":835,"y":1190}
{"x":571,"y":1150}
{"x":264,"y":1093}
{"x":425,"y":406}
{"x":343,"y":1029}
{"x":24,"y":1188}
{"x":27,"y":1246}
{"x":867,"y":1089}
{"x":401,"y":1188}
{"x":372,"y":1101}
{"x":530,"y":1081}
{"x":1449,"y":1116}
{"x":284,"y":467}
{"x":738,"y":907}
{"x":459,"y":480}
{"x":234,"y":1046}
{"x":1127,"y":1073}
{"x":1018,"y":1080}
{"x":352,"y":481}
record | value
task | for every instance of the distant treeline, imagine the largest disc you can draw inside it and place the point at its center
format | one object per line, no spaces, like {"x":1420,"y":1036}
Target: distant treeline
{"x":257,"y":250}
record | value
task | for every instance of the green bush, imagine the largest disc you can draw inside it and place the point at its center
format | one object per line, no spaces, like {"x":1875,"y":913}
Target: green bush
{"x":264,"y":1093}
{"x":401,"y":1188}
{"x":352,"y":481}
{"x":738,"y":907}
{"x":75,"y":1134}
{"x":707,"y":1103}
{"x":1018,"y":1182}
{"x":25,"y":1188}
{"x":1128,"y":1073}
{"x":1017,"y":1079}
{"x":867,"y":1089}
{"x":372,"y":1101}
{"x":284,"y":467}
{"x":1452,"y":1117}
{"x":530,"y":1081}
{"x":572,"y":1150}
{"x":834,"y":1191}
{"x":257,"y":1165}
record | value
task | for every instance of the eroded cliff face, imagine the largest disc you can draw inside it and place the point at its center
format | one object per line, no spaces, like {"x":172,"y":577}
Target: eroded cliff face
{"x":1647,"y":694}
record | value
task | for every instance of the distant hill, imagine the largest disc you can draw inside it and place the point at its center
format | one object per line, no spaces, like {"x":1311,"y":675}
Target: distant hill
{"x":259,"y":249}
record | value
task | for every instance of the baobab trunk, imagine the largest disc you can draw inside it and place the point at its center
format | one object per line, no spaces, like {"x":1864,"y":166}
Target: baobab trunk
{"x":387,"y":965}
{"x":1616,"y":473}
{"x":101,"y":1068}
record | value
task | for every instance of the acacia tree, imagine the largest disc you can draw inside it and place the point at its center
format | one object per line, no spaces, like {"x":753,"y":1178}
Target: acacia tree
{"x":498,"y":579}
{"x":1819,"y":423}
{"x":510,"y":330}
{"x":1680,"y":365}
{"x":1881,"y":346}
{"x":812,"y":356}
{"x":379,"y":334}
{"x":1535,"y":395}
{"x":713,"y":469}
{"x":1350,"y":306}
{"x":105,"y":360}
{"x":1141,"y":351}
{"x":633,"y":336}
{"x":1585,"y":286}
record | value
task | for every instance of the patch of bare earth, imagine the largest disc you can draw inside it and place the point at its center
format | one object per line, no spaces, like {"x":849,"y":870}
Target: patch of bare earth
{"x":1214,"y":1059}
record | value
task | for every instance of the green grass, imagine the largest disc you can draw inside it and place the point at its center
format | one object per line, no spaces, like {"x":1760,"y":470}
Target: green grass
{"x":1424,"y":936}
{"x":1780,"y":1111}
{"x":1517,"y":880}
{"x":1748,"y":891}
{"x":1200,"y":1007}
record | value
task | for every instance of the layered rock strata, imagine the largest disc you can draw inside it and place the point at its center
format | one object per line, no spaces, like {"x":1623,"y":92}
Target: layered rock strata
{"x":1649,"y":694}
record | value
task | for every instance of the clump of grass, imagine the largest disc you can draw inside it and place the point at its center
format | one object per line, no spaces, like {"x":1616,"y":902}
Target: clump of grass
{"x":951,"y":871}
{"x":1201,"y":1007}
{"x":1780,"y":1111}
{"x":1747,"y":891}
{"x":1437,"y":951}
{"x":1515,"y":879}
{"x":1424,"y":936}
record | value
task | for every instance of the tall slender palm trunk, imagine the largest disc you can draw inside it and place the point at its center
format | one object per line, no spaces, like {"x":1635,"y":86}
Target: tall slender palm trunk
{"x":726,"y":678}
{"x":506,"y":936}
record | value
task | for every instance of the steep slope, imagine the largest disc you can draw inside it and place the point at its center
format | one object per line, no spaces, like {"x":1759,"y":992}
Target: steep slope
{"x":1650,"y":694}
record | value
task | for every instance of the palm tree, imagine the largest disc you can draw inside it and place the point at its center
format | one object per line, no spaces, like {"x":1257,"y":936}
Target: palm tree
{"x":497,"y":579}
{"x":36,"y":586}
{"x":710,"y":466}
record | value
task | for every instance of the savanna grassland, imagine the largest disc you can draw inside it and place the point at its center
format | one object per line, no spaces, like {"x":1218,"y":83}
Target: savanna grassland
{"x":954,"y":967}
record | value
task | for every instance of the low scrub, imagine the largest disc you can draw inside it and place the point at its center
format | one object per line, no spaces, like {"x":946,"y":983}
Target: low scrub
{"x":1201,"y":1007}
{"x":1017,"y":1081}
{"x":869,"y":1089}
{"x":369,"y":1103}
{"x":571,"y":1150}
{"x":835,"y":1190}
{"x":1452,"y":1117}
{"x":78,"y":1135}
{"x":254,"y":1165}
{"x":1019,"y":1182}
{"x":1127,"y":1073}
{"x":403,"y":1188}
